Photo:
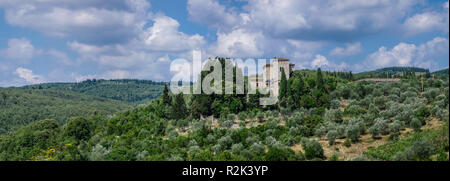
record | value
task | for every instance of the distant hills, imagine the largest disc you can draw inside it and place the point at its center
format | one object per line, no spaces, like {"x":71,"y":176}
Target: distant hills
{"x":128,"y":90}
{"x":60,"y":101}
{"x":393,"y":71}
{"x":20,"y":107}
{"x":443,"y":72}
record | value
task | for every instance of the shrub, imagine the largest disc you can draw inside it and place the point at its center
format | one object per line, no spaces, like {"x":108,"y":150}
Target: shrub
{"x":260,"y":116}
{"x":407,"y":94}
{"x":335,"y":104}
{"x":416,"y":124}
{"x":321,"y":131}
{"x":216,"y":148}
{"x":380,"y":101}
{"x":237,"y":148}
{"x":256,"y":147}
{"x":313,"y":149}
{"x":333,"y":115}
{"x":353,"y":110}
{"x":422,"y":113}
{"x":380,"y":127}
{"x":242,"y":116}
{"x":225,"y":141}
{"x":347,"y":143}
{"x":353,"y":133}
{"x":331,"y":136}
{"x":270,"y":141}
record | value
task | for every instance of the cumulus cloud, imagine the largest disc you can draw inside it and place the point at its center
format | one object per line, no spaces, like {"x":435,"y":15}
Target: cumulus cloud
{"x":19,"y":49}
{"x":95,"y":21}
{"x":322,"y":62}
{"x":214,"y":14}
{"x":405,"y":54}
{"x":305,"y":20}
{"x":164,"y":36}
{"x":239,"y":43}
{"x":29,"y":76}
{"x":349,"y":50}
{"x":428,"y":21}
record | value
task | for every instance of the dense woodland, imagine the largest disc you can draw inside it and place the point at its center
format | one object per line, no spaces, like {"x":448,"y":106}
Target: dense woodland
{"x":127,"y":90}
{"x":320,"y":116}
{"x":61,"y":101}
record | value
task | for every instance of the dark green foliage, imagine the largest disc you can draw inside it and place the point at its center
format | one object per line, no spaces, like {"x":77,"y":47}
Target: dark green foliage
{"x":21,"y":107}
{"x":416,"y":124}
{"x":313,"y":150}
{"x":127,"y":90}
{"x":179,"y":107}
{"x":280,"y":154}
{"x":79,"y":128}
{"x":283,"y":91}
{"x":166,"y":99}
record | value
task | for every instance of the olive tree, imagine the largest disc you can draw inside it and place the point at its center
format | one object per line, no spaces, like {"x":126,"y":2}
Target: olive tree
{"x":331,"y":136}
{"x":416,"y":124}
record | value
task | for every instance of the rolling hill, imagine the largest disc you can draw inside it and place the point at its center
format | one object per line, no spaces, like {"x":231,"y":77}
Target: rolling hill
{"x":20,"y":107}
{"x":128,"y":90}
{"x":443,"y":72}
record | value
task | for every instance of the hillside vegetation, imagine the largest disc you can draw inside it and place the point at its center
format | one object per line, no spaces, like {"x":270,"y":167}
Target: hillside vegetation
{"x":443,"y":72}
{"x":132,"y":91}
{"x":21,"y":107}
{"x":319,"y":116}
{"x":395,"y":72}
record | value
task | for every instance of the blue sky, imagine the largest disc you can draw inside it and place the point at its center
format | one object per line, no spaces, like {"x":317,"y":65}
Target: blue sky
{"x":72,"y":40}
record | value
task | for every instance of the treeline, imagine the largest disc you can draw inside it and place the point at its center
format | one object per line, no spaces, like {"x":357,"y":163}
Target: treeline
{"x":396,"y":72}
{"x":128,"y":90}
{"x":20,"y":107}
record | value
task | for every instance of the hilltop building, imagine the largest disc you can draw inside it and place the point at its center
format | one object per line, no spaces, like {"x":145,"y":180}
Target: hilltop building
{"x":272,"y":83}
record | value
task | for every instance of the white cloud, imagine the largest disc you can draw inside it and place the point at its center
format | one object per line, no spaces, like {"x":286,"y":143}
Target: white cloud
{"x":164,"y":36}
{"x":302,"y":19}
{"x":212,"y":13}
{"x":239,"y":43}
{"x":96,"y":21}
{"x":428,"y":21}
{"x":405,"y":54}
{"x":349,"y":50}
{"x":322,"y":62}
{"x":29,"y":76}
{"x":19,"y":49}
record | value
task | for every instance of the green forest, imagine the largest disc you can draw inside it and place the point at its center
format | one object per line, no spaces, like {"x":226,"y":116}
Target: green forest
{"x":320,"y":116}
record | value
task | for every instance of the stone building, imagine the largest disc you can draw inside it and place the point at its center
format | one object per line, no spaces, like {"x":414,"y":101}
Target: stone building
{"x":272,"y":82}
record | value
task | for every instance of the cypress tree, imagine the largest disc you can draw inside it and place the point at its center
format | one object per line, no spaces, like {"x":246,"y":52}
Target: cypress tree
{"x":166,"y":99}
{"x":282,"y":96}
{"x":179,"y":107}
{"x":319,"y":80}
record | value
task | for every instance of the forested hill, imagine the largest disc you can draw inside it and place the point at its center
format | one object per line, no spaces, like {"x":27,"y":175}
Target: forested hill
{"x":20,"y":107}
{"x":392,"y":71}
{"x":443,"y":72}
{"x":128,"y":90}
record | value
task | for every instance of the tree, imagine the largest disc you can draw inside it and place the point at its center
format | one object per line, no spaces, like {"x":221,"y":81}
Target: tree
{"x":80,"y":128}
{"x":319,"y":81}
{"x":416,"y":124}
{"x":283,"y":91}
{"x":166,"y":99}
{"x":331,"y":136}
{"x":313,"y":149}
{"x":353,"y":133}
{"x":179,"y":107}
